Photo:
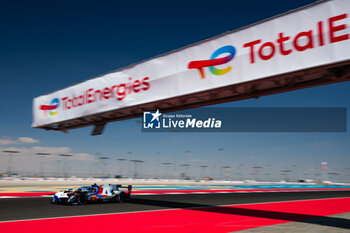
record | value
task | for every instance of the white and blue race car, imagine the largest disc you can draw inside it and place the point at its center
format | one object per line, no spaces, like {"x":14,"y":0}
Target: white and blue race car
{"x":93,"y":193}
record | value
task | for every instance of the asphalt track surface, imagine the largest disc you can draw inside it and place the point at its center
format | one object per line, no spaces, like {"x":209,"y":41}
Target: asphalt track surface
{"x":40,"y":207}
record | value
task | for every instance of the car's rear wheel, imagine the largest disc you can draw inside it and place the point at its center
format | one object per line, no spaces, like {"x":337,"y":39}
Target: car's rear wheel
{"x":82,"y":199}
{"x":122,"y":197}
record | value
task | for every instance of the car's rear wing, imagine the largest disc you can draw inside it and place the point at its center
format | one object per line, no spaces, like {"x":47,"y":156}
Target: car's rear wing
{"x":129,"y":187}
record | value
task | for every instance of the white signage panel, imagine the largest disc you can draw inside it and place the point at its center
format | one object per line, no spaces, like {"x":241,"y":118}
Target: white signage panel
{"x":313,"y":36}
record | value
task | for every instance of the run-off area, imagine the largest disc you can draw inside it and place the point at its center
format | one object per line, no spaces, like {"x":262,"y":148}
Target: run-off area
{"x":175,"y":213}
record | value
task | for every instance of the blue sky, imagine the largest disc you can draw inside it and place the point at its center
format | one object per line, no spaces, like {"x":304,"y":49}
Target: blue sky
{"x":49,"y":45}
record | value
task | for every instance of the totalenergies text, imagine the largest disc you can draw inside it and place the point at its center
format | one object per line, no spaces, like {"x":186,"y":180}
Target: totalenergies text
{"x":333,"y":30}
{"x":118,"y":92}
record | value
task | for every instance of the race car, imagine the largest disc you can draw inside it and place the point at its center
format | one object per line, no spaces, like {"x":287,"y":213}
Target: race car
{"x":93,"y":193}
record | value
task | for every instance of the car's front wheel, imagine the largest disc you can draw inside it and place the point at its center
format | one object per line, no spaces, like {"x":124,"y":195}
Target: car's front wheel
{"x":82,"y":199}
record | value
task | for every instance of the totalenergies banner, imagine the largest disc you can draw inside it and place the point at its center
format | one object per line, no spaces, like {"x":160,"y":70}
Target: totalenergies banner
{"x":310,"y":37}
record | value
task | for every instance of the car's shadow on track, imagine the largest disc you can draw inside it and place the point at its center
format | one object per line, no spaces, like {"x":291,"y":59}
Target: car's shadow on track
{"x":312,"y":219}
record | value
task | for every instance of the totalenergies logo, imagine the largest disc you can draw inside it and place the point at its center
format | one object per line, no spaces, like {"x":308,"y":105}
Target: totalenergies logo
{"x":51,"y":107}
{"x":214,"y":61}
